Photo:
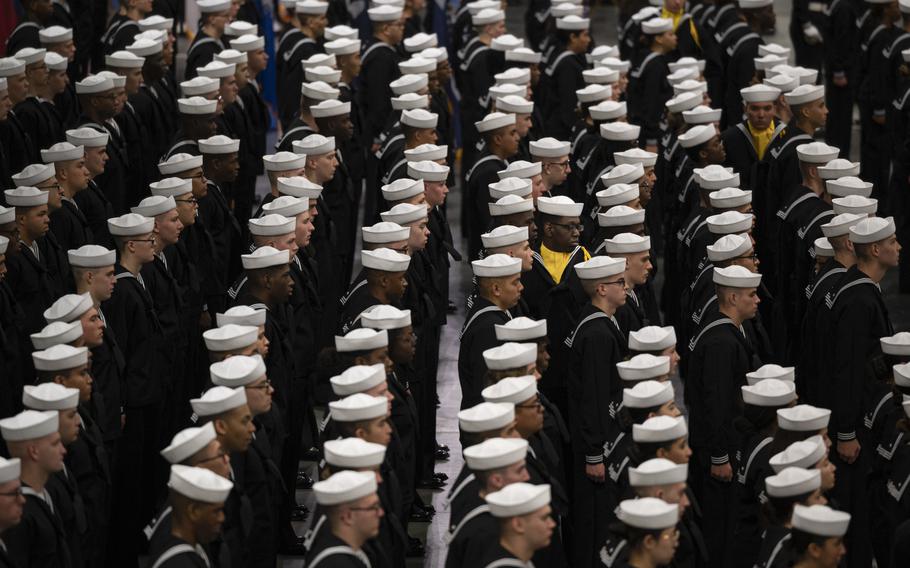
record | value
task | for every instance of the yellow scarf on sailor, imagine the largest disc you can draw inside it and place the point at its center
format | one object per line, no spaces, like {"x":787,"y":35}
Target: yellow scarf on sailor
{"x":675,"y":16}
{"x":761,"y":139}
{"x":555,"y":262}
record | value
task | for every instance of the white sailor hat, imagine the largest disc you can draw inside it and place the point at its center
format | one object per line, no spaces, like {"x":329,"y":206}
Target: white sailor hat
{"x":506,"y":89}
{"x":594,"y":93}
{"x":401,"y":189}
{"x":341,"y":31}
{"x":521,"y":329}
{"x":848,"y":185}
{"x":520,"y":169}
{"x":688,"y":63}
{"x":154,"y":205}
{"x":768,"y":62}
{"x":25,"y":196}
{"x":217,"y":69}
{"x":199,"y":86}
{"x":564,"y":9}
{"x":515,"y":75}
{"x":343,"y":46}
{"x":600,"y":52}
{"x":319,"y":91}
{"x":902,"y":375}
{"x":518,"y":499}
{"x":736,"y":277}
{"x":60,"y":358}
{"x":196,"y":483}
{"x":362,"y":339}
{"x":503,"y":236}
{"x":600,"y":76}
{"x":357,"y":407}
{"x":196,"y":106}
{"x":643,"y":367}
{"x":679,"y":75}
{"x":855,"y":204}
{"x":265,"y":257}
{"x":271,"y":225}
{"x":428,"y":170}
{"x":30,"y":55}
{"x":409,"y":83}
{"x":657,"y":471}
{"x":419,"y":42}
{"x":785,"y":83}
{"x":437,"y":54}
{"x":297,"y":186}
{"x":770,"y":371}
{"x":839,"y":225}
{"x":54,"y":34}
{"x":88,"y":137}
{"x":230,"y":336}
{"x":509,"y":205}
{"x":68,"y":307}
{"x":660,"y":429}
{"x":773,"y":48}
{"x":550,"y":148}
{"x":359,"y":378}
{"x":32,"y":175}
{"x":345,"y":486}
{"x":329,"y":108}
{"x":816,"y":153}
{"x":10,"y":469}
{"x":56,"y":333}
{"x":493,"y":121}
{"x":510,"y":356}
{"x":729,"y":246}
{"x":838,"y":168}
{"x":486,"y":417}
{"x":514,"y":104}
{"x":652,"y":338}
{"x":822,"y":248}
{"x":29,"y":425}
{"x":716,"y":177}
{"x":619,"y":131}
{"x":633,"y":157}
{"x":524,"y":55}
{"x":419,"y":118}
{"x":382,"y":316}
{"x":212,"y":6}
{"x":690,"y":86}
{"x":805,"y":94}
{"x":287,"y":206}
{"x":322,"y":73}
{"x":730,"y":222}
{"x":600,"y":267}
{"x":179,"y":163}
{"x":218,"y":400}
{"x":608,"y":110}
{"x":478,"y":5}
{"x":487,"y":16}
{"x":426,"y":152}
{"x":405,"y":214}
{"x":283,"y":162}
{"x":803,"y":454}
{"x":648,"y":513}
{"x":617,"y":194}
{"x":806,"y":75}
{"x":353,"y":453}
{"x":62,"y":152}
{"x":897,"y":344}
{"x":241,"y":315}
{"x":496,"y":266}
{"x":238,"y":28}
{"x":697,"y":135}
{"x":495,"y":453}
{"x":187,"y":442}
{"x":10,"y":66}
{"x":311,"y":7}
{"x":385,"y":232}
{"x":623,"y":173}
{"x":793,"y":481}
{"x":683,"y":101}
{"x":803,"y":418}
{"x":124,"y":60}
{"x":409,"y":101}
{"x":320,"y":60}
{"x":171,"y":187}
{"x":760,"y":93}
{"x":769,"y":392}
{"x":621,"y":216}
{"x":656,"y":26}
{"x":701,"y":115}
{"x":647,"y":394}
{"x":386,"y":260}
{"x":146,"y":46}
{"x":237,"y":371}
{"x":560,"y":206}
{"x":627,"y":243}
{"x":872,"y":230}
{"x":511,"y":389}
{"x":820,"y":520}
{"x":729,"y":197}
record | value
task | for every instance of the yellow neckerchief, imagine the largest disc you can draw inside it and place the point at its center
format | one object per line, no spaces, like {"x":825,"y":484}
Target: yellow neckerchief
{"x":555,"y":262}
{"x":675,"y":16}
{"x":761,"y":139}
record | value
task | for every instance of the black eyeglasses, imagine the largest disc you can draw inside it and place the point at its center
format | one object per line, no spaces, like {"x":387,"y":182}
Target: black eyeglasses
{"x":264,"y":386}
{"x":561,"y":165}
{"x":752,"y":257}
{"x":17,"y":492}
{"x":152,"y":240}
{"x":570,"y":226}
{"x":191,"y":200}
{"x":536,"y":405}
{"x":621,"y":282}
{"x":374,"y":508}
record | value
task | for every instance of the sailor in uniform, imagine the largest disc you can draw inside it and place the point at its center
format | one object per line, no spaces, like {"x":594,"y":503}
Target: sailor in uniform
{"x":633,"y":315}
{"x":746,"y":142}
{"x":12,"y":504}
{"x":525,"y":524}
{"x":645,"y":523}
{"x":209,"y":39}
{"x":38,"y":14}
{"x":563,"y":76}
{"x":294,"y":50}
{"x":353,"y":513}
{"x":816,"y":528}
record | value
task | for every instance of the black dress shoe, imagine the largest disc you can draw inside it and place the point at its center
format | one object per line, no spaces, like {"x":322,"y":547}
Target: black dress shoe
{"x":419,"y":516}
{"x":299,"y":513}
{"x":431,"y":483}
{"x":295,"y":548}
{"x":442,"y":447}
{"x":428,"y":508}
{"x":451,"y":308}
{"x":441,"y":455}
{"x":304,"y":481}
{"x":441,"y":476}
{"x":416,"y":549}
{"x":311,"y":454}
